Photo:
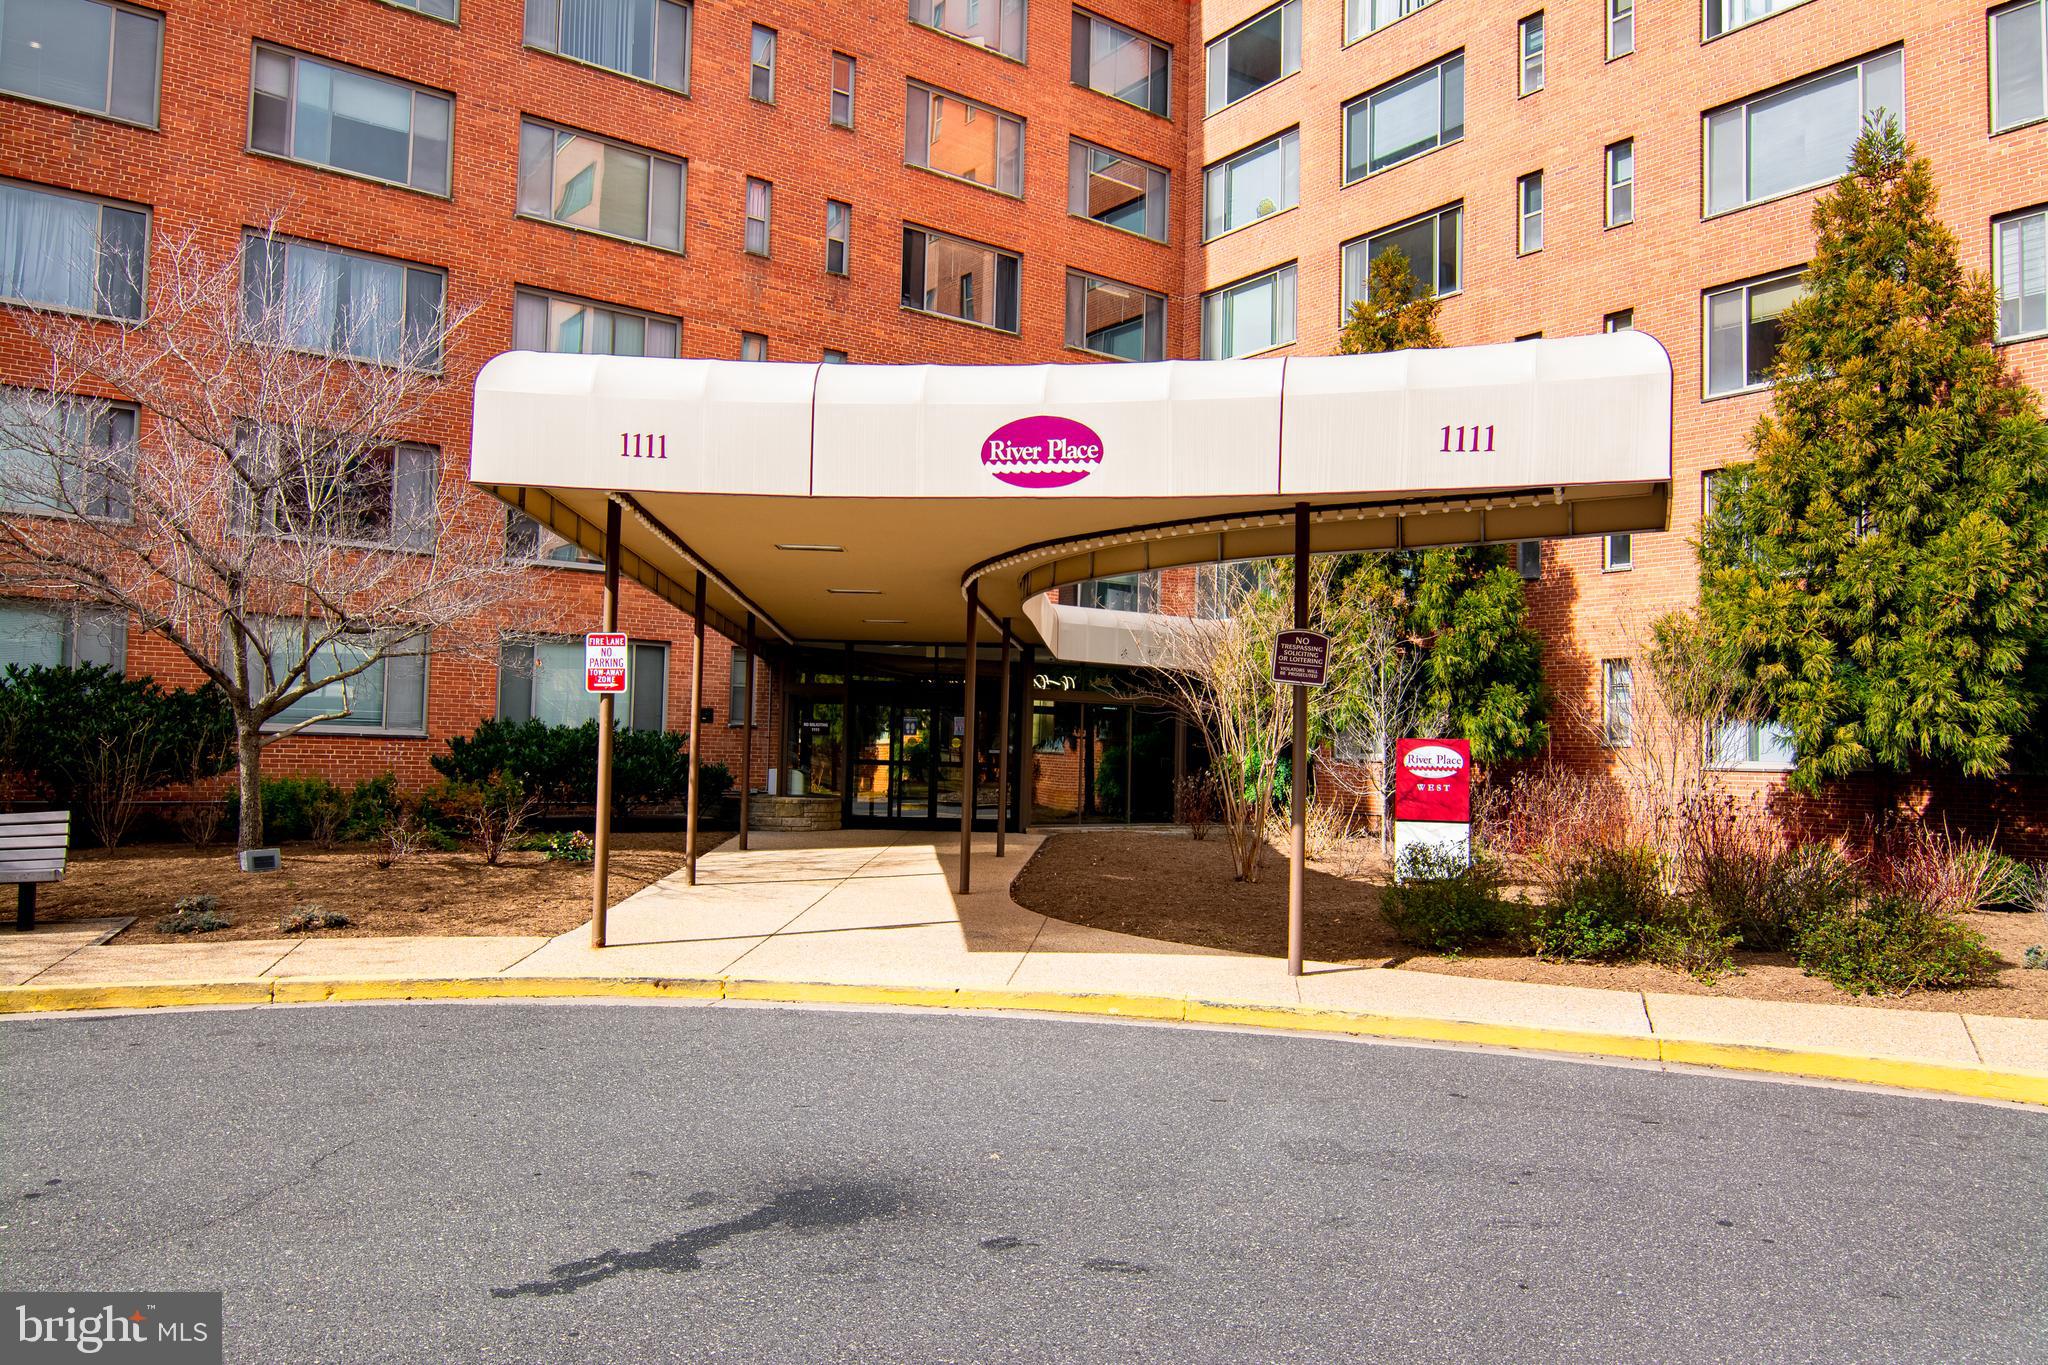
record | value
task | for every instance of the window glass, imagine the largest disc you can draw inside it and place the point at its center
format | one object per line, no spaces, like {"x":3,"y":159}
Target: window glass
{"x":1621,"y":321}
{"x":753,"y":346}
{"x":1253,"y":55}
{"x":105,"y":58}
{"x":2022,"y":266}
{"x":1617,"y":553}
{"x":55,"y":635}
{"x":1531,"y":195}
{"x":321,"y":298}
{"x":1743,"y":332}
{"x":1532,"y":53}
{"x":550,"y":322}
{"x":1258,"y":181}
{"x":527,"y":541}
{"x":388,"y":695}
{"x":72,"y":458}
{"x":761,"y":65}
{"x":586,"y":182}
{"x":961,"y":138}
{"x":1621,"y":28}
{"x":1617,"y":702}
{"x":63,"y":251}
{"x":997,"y":25}
{"x":1763,"y":744}
{"x":960,"y":279}
{"x":1115,"y":319}
{"x":1799,"y":137}
{"x":838,"y":230}
{"x":1114,"y":61}
{"x":760,"y":197}
{"x":349,"y":120}
{"x":543,"y":681}
{"x":647,"y":39}
{"x":1433,"y":244}
{"x":1724,"y":15}
{"x":1529,"y":559}
{"x":1414,"y":115}
{"x":1367,"y":16}
{"x":1117,"y":190}
{"x":1248,"y":317}
{"x":2019,"y":65}
{"x":1621,"y":183}
{"x":842,"y":90}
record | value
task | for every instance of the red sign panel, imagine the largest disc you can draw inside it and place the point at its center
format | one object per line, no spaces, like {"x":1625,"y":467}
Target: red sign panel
{"x":604,"y":662}
{"x":1433,"y":780}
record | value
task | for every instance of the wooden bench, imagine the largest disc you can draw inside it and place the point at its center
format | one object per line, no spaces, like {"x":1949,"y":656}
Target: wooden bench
{"x":32,"y":847}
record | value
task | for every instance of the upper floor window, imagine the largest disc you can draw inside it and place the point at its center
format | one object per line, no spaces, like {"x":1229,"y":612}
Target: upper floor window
{"x":753,"y":346}
{"x":1116,"y":190}
{"x":838,"y":237}
{"x":1531,"y":31}
{"x":1621,"y":28}
{"x":1250,"y":316}
{"x":59,"y":635}
{"x":1530,"y":192}
{"x":1433,"y":244}
{"x":1404,"y":119}
{"x":1799,"y":137}
{"x":1621,"y":320}
{"x":1621,"y":182}
{"x":60,"y":250}
{"x":646,"y":39}
{"x":349,"y":120}
{"x":1114,"y":61}
{"x":832,"y":357}
{"x":960,"y":279}
{"x":961,"y":138}
{"x":1743,"y":331}
{"x":598,"y":185}
{"x":1529,"y":560}
{"x":2021,"y":264}
{"x":843,"y":68}
{"x":761,"y":65}
{"x":342,"y":303}
{"x":337,"y":488}
{"x":1257,"y":181}
{"x":556,"y":322}
{"x":1250,"y":57}
{"x":103,"y":58}
{"x":1115,"y":319}
{"x":2019,"y":65}
{"x":997,"y":25}
{"x":529,"y":542}
{"x":66,"y":457}
{"x":1369,"y":16}
{"x":543,"y":680}
{"x":760,"y":197}
{"x":1725,"y":16}
{"x":1617,"y":553}
{"x":439,"y":9}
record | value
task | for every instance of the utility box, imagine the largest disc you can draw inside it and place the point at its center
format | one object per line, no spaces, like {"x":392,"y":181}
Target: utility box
{"x":261,"y":860}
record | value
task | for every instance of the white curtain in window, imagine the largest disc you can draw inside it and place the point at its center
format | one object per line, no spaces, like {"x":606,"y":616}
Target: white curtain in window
{"x":2023,"y":275}
{"x":2019,"y":86}
{"x":618,"y":34}
{"x":49,"y":248}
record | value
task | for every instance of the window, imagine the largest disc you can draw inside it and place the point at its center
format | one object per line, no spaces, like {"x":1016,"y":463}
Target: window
{"x":1529,"y":191}
{"x":1256,"y":182}
{"x":761,"y":69}
{"x":1621,"y":183}
{"x":106,"y":59}
{"x":1725,"y":16}
{"x":1253,"y":55}
{"x":838,"y":230}
{"x":590,"y":183}
{"x":2019,"y":65}
{"x":338,"y":489}
{"x":1765,"y":745}
{"x":1414,"y":115}
{"x":527,"y":541}
{"x":842,"y":90}
{"x":543,"y":680}
{"x":1743,"y":331}
{"x":1116,"y":190}
{"x":349,"y":120}
{"x":1120,"y":592}
{"x":1115,"y":319}
{"x":1617,"y":702}
{"x":1798,"y":137}
{"x":438,"y":9}
{"x":1622,"y":320}
{"x":1532,"y":53}
{"x":1709,"y":481}
{"x":342,"y":303}
{"x":1219,"y":588}
{"x":968,"y":141}
{"x":646,"y":39}
{"x":760,"y":196}
{"x":388,"y":696}
{"x":1251,"y":316}
{"x":1529,"y":559}
{"x":65,"y":251}
{"x":753,"y":346}
{"x":832,"y":357}
{"x":1112,"y":60}
{"x":1621,"y":28}
{"x":997,"y":25}
{"x":960,"y":279}
{"x":1617,"y":553}
{"x":736,"y":698}
{"x":1369,"y":16}
{"x":2021,"y":263}
{"x":1433,"y":244}
{"x":59,"y":635}
{"x":1530,"y":336}
{"x":67,"y":458}
{"x":572,"y":326}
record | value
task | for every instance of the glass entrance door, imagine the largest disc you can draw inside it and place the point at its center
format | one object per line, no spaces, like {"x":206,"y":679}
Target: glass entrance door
{"x":893,"y":759}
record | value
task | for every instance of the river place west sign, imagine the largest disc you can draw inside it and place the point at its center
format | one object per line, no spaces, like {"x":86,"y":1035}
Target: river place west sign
{"x":1301,"y":658}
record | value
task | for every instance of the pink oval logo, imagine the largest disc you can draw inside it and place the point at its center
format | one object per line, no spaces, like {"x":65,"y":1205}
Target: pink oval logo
{"x":1433,"y":761}
{"x":1042,"y":452}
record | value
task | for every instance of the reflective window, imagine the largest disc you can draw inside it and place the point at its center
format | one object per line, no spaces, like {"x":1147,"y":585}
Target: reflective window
{"x":1115,"y":319}
{"x":1743,"y":331}
{"x":1621,"y":183}
{"x":2020,"y":260}
{"x":66,"y":457}
{"x":543,"y":680}
{"x":1250,"y":316}
{"x":1723,"y":16}
{"x":960,"y":279}
{"x":1531,"y":34}
{"x":842,"y":90}
{"x":761,"y":65}
{"x":961,"y":138}
{"x":753,"y":346}
{"x":1798,"y":137}
{"x":388,"y":696}
{"x":1529,"y":190}
{"x":555,"y":322}
{"x":58,"y":635}
{"x":838,"y":236}
{"x":1433,"y":244}
{"x":1256,"y":182}
{"x":61,"y":250}
{"x":1114,"y":61}
{"x":997,"y":25}
{"x":1411,"y":116}
{"x":1116,"y":190}
{"x":1765,"y":745}
{"x":85,"y":54}
{"x":1621,"y":28}
{"x":1253,"y":55}
{"x":760,"y":202}
{"x":342,"y":303}
{"x":1617,"y":702}
{"x":1369,"y":16}
{"x":588,"y":182}
{"x":349,"y":120}
{"x":646,"y":39}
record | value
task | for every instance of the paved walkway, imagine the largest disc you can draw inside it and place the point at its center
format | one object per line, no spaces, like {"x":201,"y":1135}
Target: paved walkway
{"x":868,"y":915}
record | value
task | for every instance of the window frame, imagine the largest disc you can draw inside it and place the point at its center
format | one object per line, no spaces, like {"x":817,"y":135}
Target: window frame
{"x":1620,"y":320}
{"x":258,"y":238}
{"x":71,"y":616}
{"x":1277,"y":141}
{"x":1078,"y":150}
{"x":755,"y":66}
{"x":1707,"y":297}
{"x":393,"y":541}
{"x":834,"y":92}
{"x":689,"y":8}
{"x":1529,"y":560}
{"x":585,"y":561}
{"x":1365,"y":242}
{"x":1525,"y":185}
{"x":291,"y":98}
{"x":1991,"y":51}
{"x":754,"y":341}
{"x":1356,"y":7}
{"x":144,"y":211}
{"x":531,"y":642}
{"x":1530,"y":26}
{"x":1610,"y":562}
{"x":411,"y":7}
{"x":1273,"y":272}
{"x":994,"y":302}
{"x":1618,"y":10}
{"x":1020,"y":56}
{"x":931,"y":93}
{"x":844,"y":239}
{"x":766,"y":220}
{"x":157,"y":75}
{"x":1711,"y":37}
{"x":102,"y":409}
{"x":1385,"y":88}
{"x":1714,"y":762}
{"x":551,"y":296}
{"x":1611,"y":671}
{"x":1147,"y":296}
{"x":2040,"y":212}
{"x":1856,"y":64}
{"x":1091,"y":18}
{"x":1611,"y":159}
{"x":1209,"y":102}
{"x":343,"y":726}
{"x":682,"y":164}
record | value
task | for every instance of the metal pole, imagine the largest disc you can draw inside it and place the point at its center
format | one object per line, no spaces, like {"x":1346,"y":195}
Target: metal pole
{"x":1027,"y":657}
{"x":601,"y":838}
{"x":1298,"y":832}
{"x":1003,"y":744}
{"x":747,"y":736}
{"x":967,"y":738}
{"x":696,"y":728}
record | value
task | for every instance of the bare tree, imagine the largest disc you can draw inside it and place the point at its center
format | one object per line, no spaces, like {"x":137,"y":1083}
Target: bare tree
{"x":234,"y":472}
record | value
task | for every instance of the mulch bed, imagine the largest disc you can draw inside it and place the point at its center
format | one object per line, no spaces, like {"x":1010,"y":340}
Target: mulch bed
{"x":1167,"y":886}
{"x":426,"y":894}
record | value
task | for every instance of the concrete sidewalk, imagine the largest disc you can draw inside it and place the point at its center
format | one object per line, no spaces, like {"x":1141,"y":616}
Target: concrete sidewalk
{"x":870,"y":917}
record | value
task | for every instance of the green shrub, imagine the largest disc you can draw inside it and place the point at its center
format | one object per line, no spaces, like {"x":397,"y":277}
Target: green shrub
{"x":1443,"y":903}
{"x":563,"y":846}
{"x":1692,"y":938}
{"x":193,"y":915}
{"x":1890,"y":945}
{"x":557,"y":764}
{"x":1601,"y":904}
{"x":308,"y":918}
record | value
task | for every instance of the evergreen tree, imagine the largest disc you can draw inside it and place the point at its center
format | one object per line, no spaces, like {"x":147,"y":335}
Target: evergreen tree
{"x":1462,"y":608}
{"x":1881,"y":567}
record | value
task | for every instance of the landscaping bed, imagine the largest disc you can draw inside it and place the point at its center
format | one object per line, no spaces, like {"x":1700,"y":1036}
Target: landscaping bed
{"x":426,"y":893}
{"x":1167,"y":886}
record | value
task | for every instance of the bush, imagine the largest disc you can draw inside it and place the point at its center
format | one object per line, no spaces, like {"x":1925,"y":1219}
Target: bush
{"x":1893,"y":944}
{"x":1690,"y":938}
{"x":1944,"y":871}
{"x":493,"y":813}
{"x":564,"y":846}
{"x":1195,"y":803}
{"x":1602,"y":902}
{"x":1443,"y":904}
{"x":193,"y":915}
{"x":557,"y":764}
{"x":308,"y":918}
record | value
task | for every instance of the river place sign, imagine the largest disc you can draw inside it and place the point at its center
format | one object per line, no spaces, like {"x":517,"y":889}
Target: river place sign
{"x":1301,"y":658}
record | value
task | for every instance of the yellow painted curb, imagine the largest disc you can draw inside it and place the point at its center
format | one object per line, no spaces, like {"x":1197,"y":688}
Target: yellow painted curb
{"x":1423,"y":1029}
{"x":41,"y":999}
{"x":314,"y":990}
{"x":1974,"y":1082}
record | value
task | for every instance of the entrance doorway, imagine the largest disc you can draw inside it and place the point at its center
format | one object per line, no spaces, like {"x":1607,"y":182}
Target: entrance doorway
{"x":1101,"y":762}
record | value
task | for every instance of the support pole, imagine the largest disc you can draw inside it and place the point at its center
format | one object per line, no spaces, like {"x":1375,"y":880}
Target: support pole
{"x":601,"y":837}
{"x":967,"y":742}
{"x":1003,"y":744}
{"x":747,"y":737}
{"x":1298,"y":806}
{"x":1026,"y":780}
{"x":696,"y":730}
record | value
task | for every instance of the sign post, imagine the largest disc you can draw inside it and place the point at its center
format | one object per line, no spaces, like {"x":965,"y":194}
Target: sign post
{"x":604,"y":662}
{"x":1301,"y":659}
{"x":1432,"y":799}
{"x":609,"y":648}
